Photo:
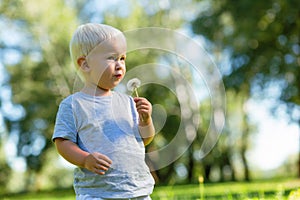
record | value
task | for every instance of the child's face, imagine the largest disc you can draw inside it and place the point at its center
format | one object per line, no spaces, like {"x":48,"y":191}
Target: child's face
{"x":107,"y":63}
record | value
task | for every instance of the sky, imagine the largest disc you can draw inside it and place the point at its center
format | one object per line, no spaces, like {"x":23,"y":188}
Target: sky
{"x":275,"y":140}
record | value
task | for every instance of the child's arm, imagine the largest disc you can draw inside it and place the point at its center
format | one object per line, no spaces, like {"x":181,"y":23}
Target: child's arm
{"x":146,"y":128}
{"x":95,"y":162}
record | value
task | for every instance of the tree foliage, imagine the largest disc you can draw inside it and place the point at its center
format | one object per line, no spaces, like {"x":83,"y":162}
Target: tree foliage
{"x":262,"y":38}
{"x":39,"y":79}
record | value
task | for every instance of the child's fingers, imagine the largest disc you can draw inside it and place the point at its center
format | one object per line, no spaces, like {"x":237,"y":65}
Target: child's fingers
{"x":103,"y":163}
{"x":101,"y":167}
{"x":143,"y":108}
{"x":142,"y":104}
{"x":136,"y":99}
{"x":99,"y":171}
{"x":141,"y":100}
{"x":104,"y":159}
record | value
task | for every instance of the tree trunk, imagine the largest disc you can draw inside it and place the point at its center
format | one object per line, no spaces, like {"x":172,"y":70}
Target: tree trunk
{"x":299,"y":151}
{"x":207,"y":170}
{"x":190,"y":165}
{"x":298,"y":165}
{"x":245,"y":140}
{"x":245,"y":163}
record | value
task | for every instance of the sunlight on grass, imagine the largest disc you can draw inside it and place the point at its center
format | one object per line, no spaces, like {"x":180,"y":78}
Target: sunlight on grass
{"x":263,"y":190}
{"x":258,"y":190}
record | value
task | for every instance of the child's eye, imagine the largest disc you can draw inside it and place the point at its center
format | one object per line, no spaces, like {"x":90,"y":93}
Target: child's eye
{"x":111,"y":58}
{"x":123,"y":58}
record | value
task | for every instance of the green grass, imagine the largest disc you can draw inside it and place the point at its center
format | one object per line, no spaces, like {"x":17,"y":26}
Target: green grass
{"x":233,"y":190}
{"x":258,"y":190}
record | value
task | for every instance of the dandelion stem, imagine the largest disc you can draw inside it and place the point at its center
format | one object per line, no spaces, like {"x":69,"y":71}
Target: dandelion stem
{"x":136,"y":92}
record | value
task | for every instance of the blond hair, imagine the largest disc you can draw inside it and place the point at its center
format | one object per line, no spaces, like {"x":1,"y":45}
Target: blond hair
{"x":87,"y":37}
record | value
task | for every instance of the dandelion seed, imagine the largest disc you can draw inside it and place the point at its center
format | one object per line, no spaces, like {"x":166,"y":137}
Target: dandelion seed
{"x":133,"y":85}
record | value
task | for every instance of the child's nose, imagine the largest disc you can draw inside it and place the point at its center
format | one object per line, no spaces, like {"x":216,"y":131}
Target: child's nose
{"x":118,"y":65}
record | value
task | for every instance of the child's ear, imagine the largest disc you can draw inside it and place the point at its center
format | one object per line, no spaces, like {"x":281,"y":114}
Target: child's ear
{"x":82,"y":63}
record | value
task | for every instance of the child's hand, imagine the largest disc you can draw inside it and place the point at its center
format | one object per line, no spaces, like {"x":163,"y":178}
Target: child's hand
{"x":144,"y":108}
{"x":97,"y":163}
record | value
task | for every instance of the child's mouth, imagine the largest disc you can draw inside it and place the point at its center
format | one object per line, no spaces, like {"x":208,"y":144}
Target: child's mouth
{"x":118,"y":76}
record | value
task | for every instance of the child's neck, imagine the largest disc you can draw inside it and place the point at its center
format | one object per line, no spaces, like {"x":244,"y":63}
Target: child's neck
{"x":96,"y":91}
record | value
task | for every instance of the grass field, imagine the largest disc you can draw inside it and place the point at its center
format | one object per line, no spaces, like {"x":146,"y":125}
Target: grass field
{"x":258,"y":190}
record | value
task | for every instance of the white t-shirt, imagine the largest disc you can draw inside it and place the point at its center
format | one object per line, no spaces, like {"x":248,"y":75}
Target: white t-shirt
{"x":108,"y":125}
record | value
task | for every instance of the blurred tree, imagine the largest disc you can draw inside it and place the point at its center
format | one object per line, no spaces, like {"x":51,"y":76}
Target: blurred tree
{"x":40,"y":77}
{"x":226,"y":161}
{"x":262,"y":40}
{"x":239,"y":129}
{"x":5,"y":171}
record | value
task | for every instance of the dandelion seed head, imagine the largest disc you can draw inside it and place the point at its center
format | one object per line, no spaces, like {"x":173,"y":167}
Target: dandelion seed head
{"x":133,"y":84}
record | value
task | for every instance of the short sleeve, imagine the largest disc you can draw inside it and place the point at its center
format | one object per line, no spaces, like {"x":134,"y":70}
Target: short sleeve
{"x":134,"y":112}
{"x":65,"y":123}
